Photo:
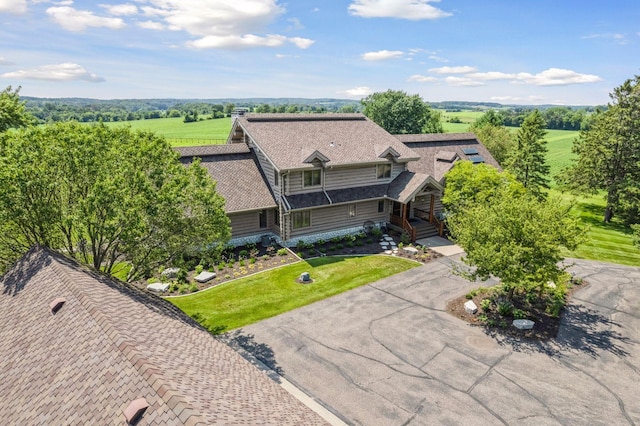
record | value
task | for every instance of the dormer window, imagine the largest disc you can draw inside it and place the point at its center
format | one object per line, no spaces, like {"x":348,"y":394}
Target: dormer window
{"x":312,"y":178}
{"x":383,"y":171}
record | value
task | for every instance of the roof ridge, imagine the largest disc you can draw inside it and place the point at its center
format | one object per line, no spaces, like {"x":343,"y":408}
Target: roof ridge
{"x":150,"y":372}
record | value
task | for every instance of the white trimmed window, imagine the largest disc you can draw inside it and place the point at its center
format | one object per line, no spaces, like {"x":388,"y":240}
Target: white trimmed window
{"x":383,"y":171}
{"x":301,"y":219}
{"x":352,"y":210}
{"x":312,"y":178}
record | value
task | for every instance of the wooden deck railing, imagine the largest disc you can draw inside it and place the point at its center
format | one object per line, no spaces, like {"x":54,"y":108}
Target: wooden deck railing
{"x":405,"y":225}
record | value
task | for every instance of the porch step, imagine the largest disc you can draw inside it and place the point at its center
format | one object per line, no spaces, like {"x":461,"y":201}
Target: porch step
{"x":424,"y":230}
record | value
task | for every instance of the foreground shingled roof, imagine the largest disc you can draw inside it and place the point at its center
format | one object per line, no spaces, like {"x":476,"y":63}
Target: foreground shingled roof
{"x":343,"y":139}
{"x":434,"y":148}
{"x":111,"y":344}
{"x":238,"y":175}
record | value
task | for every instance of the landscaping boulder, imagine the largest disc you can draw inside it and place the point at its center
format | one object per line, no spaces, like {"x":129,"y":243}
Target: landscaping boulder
{"x":470,"y":307}
{"x":305,"y":277}
{"x":523,"y":324}
{"x":158,"y":287}
{"x":170,"y":273}
{"x":410,"y":249}
{"x":204,"y":276}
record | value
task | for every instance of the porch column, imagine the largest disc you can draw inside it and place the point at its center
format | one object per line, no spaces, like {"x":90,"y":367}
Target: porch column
{"x":431,"y":208}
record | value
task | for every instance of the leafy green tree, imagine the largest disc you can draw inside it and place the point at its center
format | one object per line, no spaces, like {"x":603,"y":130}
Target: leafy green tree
{"x":608,"y":155}
{"x":527,"y":160}
{"x":399,"y":113}
{"x":105,"y":196}
{"x":508,"y":233}
{"x":494,"y":135}
{"x":13,"y":113}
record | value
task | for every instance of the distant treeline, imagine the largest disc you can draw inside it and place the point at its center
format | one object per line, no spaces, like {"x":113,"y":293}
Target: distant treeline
{"x":94,"y":110}
{"x":558,"y":118}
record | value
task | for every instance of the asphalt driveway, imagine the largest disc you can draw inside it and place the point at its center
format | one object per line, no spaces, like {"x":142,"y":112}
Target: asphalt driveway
{"x":388,"y":354}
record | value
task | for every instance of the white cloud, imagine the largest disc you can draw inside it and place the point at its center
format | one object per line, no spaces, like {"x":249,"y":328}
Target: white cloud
{"x":462,"y":81}
{"x":453,"y":70}
{"x":422,"y":78}
{"x":223,"y":24}
{"x":13,"y":6}
{"x":491,"y":75}
{"x":126,"y":9}
{"x":151,"y":25}
{"x":413,"y":10}
{"x":247,"y":41}
{"x":60,"y":72}
{"x":78,"y":20}
{"x":4,"y":61}
{"x":358,"y":92}
{"x":382,"y":55}
{"x":295,"y":24}
{"x":556,"y":77}
{"x":616,"y":37}
{"x":438,"y":59}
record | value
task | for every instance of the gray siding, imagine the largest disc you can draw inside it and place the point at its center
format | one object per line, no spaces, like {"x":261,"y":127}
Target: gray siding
{"x":248,"y":223}
{"x":268,"y":169}
{"x":337,"y":217}
{"x":343,"y":177}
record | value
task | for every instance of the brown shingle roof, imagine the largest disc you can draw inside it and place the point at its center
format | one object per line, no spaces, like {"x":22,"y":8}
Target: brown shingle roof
{"x":109,"y":345}
{"x":434,"y":147}
{"x":288,"y":139}
{"x":238,"y":175}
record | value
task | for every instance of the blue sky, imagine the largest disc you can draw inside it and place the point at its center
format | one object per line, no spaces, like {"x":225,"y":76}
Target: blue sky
{"x":534,"y":52}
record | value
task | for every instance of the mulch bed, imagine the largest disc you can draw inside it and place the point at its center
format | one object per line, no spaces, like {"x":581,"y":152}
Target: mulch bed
{"x":546,"y":326}
{"x":264,"y":260}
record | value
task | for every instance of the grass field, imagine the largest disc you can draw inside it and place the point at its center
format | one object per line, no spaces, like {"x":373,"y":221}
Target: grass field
{"x":179,"y":133}
{"x":264,"y":295}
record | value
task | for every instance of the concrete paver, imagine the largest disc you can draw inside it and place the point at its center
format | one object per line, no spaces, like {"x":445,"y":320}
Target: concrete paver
{"x":389,"y":354}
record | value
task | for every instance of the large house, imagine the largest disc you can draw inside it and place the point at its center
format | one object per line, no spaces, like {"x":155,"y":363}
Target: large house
{"x":79,"y":348}
{"x":308,"y":177}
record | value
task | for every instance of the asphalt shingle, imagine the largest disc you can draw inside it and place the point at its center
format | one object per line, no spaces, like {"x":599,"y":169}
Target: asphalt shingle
{"x":111,"y":344}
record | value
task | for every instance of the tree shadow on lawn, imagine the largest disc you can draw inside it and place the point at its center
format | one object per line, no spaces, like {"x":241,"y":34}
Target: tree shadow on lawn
{"x":247,"y":344}
{"x":581,"y":329}
{"x":593,"y":215}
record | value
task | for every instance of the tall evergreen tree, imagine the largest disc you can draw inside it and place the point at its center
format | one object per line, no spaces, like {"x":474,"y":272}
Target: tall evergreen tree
{"x":527,"y":161}
{"x":608,"y":155}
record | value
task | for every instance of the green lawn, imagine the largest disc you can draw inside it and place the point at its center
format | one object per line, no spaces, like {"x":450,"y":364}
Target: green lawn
{"x":559,"y":143}
{"x":608,"y":242}
{"x":179,"y":133}
{"x":264,"y":295}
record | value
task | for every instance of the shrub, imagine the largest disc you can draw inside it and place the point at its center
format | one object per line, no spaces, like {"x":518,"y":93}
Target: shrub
{"x":519,"y":314}
{"x":193,"y":288}
{"x":183,"y":289}
{"x":322,"y":250}
{"x":369,"y":240}
{"x":173,"y":287}
{"x":336,"y":240}
{"x":283,"y":252}
{"x":181,"y":276}
{"x":332,"y":248}
{"x":300,"y":246}
{"x":485,"y":304}
{"x":350,"y":244}
{"x":468,"y":296}
{"x":199,"y":268}
{"x":505,"y":308}
{"x":243,"y":254}
{"x":300,"y":254}
{"x":252,"y":260}
{"x":339,"y":246}
{"x":321,"y":242}
{"x":377,"y":232}
{"x":359,"y":243}
{"x":404,"y":238}
{"x":222,"y":266}
{"x":227,"y":276}
{"x":242,"y":263}
{"x":400,"y":244}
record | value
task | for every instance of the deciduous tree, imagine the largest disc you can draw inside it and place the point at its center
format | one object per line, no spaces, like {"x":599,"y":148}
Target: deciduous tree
{"x":494,"y":135}
{"x":399,"y":113}
{"x":12,"y":111}
{"x":106,"y":196}
{"x":508,"y":233}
